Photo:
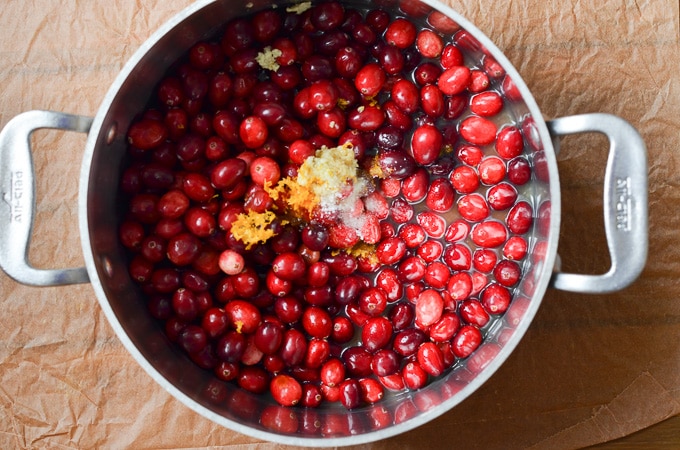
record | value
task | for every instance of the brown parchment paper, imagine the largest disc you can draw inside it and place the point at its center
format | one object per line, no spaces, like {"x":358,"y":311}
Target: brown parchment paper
{"x":592,"y":368}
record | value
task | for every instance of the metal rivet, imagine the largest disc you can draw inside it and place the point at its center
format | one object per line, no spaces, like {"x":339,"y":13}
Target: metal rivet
{"x":111,"y":133}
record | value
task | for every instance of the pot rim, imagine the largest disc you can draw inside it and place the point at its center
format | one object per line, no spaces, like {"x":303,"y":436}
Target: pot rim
{"x":98,"y":128}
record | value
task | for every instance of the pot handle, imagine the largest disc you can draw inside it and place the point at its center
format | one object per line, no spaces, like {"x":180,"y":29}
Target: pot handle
{"x":17,"y":185}
{"x":625,"y":202}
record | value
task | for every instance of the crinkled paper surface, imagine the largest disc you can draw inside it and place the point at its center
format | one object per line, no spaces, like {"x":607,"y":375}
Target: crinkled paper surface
{"x":591,"y":368}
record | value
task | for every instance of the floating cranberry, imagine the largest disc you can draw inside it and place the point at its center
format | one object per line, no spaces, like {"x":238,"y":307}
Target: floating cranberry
{"x":509,"y":142}
{"x":429,"y":307}
{"x":429,"y":44}
{"x":515,"y":248}
{"x":391,"y":250}
{"x":430,"y":359}
{"x":445,"y":328}
{"x":478,"y":130}
{"x":370,"y":79}
{"x":489,"y":234}
{"x":466,"y":341}
{"x":486,"y":104}
{"x":519,"y":171}
{"x":472,"y":312}
{"x":426,"y":144}
{"x":401,"y":33}
{"x":406,"y":96}
{"x":146,"y":134}
{"x":407,"y":341}
{"x":253,"y":132}
{"x":491,"y":170}
{"x":454,"y":80}
{"x":520,"y":218}
{"x":507,"y":273}
{"x":473,"y":207}
{"x":457,"y":256}
{"x":496,"y":298}
{"x":317,"y":322}
{"x":414,"y":376}
{"x":286,"y":390}
{"x":376,"y":333}
{"x":440,"y":196}
{"x":244,"y":317}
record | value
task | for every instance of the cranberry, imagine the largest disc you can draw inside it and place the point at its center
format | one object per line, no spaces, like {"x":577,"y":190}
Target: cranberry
{"x":466,"y":341}
{"x":440,"y":196}
{"x":183,"y":249}
{"x":370,"y":79}
{"x":243,"y":316}
{"x":515,"y":248}
{"x":430,"y":250}
{"x":318,"y":351}
{"x":429,"y":44}
{"x":478,"y":130}
{"x":293,"y":347}
{"x":371,"y":392}
{"x":289,"y":266}
{"x":407,"y":341}
{"x":401,"y":33}
{"x":432,"y":101}
{"x":430,"y":359}
{"x":366,"y":118}
{"x":426,"y":144}
{"x":391,"y":250}
{"x":484,"y":260}
{"x":372,"y":301}
{"x":429,"y":307}
{"x":253,"y":132}
{"x":445,"y":328}
{"x":509,"y":142}
{"x":437,"y":275}
{"x":507,"y":273}
{"x":472,"y":312}
{"x":519,"y":171}
{"x":491,"y":170}
{"x":457,"y":256}
{"x":473,"y":207}
{"x":343,"y":330}
{"x":328,"y":16}
{"x":317,"y":322}
{"x":414,"y":376}
{"x":520,"y":218}
{"x":146,"y":134}
{"x":357,"y":361}
{"x":486,"y":104}
{"x":496,"y":298}
{"x":489,"y":234}
{"x":268,"y":337}
{"x":454,"y":80}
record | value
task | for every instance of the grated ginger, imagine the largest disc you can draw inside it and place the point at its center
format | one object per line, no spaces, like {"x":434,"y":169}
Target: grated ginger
{"x":299,"y":8}
{"x":267,"y":58}
{"x":329,"y":173}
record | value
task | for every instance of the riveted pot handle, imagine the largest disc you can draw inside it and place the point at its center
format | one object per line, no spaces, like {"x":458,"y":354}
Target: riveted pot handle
{"x":625,"y":202}
{"x":18,"y":194}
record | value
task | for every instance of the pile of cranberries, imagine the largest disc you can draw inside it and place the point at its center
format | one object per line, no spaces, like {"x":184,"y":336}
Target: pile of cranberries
{"x":304,"y":316}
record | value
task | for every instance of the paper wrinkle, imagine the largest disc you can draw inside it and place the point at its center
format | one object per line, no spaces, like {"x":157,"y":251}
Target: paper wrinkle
{"x":610,"y":422}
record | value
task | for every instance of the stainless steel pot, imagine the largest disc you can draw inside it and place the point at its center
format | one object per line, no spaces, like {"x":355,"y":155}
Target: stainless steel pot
{"x":625,"y":214}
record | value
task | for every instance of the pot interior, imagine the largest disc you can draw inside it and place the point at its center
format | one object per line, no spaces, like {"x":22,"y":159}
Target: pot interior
{"x":224,"y":403}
